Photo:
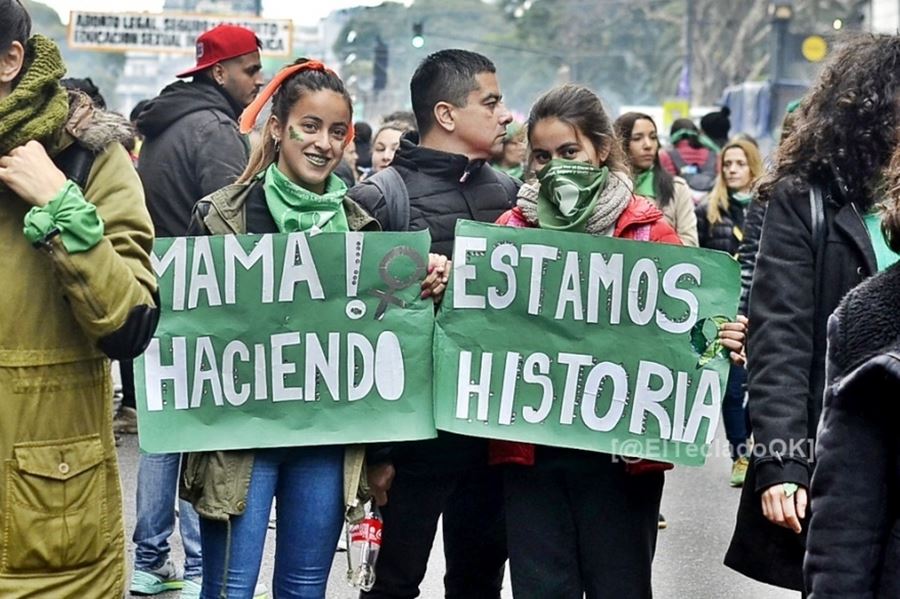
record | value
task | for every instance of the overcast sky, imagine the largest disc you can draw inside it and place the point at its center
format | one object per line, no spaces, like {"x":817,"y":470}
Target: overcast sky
{"x":309,"y":14}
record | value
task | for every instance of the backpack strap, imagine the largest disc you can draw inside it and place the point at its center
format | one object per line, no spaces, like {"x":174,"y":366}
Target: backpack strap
{"x":817,"y":228}
{"x":710,"y":165}
{"x":677,"y":160}
{"x":396,"y":196}
{"x":75,"y":162}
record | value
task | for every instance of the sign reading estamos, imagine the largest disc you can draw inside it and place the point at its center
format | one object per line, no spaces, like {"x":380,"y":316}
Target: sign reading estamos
{"x":585,"y":342}
{"x":170,"y":33}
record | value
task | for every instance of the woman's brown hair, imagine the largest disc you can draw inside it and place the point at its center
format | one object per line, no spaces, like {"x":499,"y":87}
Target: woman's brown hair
{"x":581,"y":108}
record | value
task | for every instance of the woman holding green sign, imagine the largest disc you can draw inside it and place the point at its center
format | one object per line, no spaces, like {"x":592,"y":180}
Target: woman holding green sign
{"x":288,"y":186}
{"x":592,"y":518}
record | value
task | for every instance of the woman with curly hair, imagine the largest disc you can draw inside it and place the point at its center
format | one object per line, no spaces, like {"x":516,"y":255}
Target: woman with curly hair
{"x":820,"y":194}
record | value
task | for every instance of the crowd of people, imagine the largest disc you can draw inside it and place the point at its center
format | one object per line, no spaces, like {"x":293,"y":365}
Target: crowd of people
{"x":83,"y":191}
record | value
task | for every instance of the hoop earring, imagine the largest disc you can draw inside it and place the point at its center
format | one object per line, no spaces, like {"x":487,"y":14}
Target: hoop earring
{"x":277,"y":145}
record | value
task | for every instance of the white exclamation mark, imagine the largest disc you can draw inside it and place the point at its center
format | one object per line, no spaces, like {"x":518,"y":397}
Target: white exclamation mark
{"x":356,"y":308}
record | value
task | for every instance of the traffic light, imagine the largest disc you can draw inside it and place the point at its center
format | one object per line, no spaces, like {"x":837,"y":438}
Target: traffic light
{"x":380,"y":68}
{"x":418,"y":37}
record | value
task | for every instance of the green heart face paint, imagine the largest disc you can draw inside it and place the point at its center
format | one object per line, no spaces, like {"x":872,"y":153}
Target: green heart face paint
{"x":292,"y":133}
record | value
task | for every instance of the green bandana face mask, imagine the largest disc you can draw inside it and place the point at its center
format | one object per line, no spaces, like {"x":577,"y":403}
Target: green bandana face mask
{"x":569,"y":193}
{"x":296,"y":209}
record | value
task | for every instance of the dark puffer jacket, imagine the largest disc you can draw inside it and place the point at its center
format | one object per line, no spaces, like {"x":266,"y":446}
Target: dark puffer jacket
{"x":722,"y":235}
{"x":853,"y":544}
{"x":443,"y":188}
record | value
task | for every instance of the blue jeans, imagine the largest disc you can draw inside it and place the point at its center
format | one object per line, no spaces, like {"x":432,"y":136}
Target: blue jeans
{"x":734,"y":413}
{"x":308,"y":483}
{"x":157,"y":485}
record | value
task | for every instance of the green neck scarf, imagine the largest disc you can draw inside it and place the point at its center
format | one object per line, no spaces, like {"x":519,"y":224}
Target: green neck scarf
{"x":644,"y":184}
{"x":296,"y":209}
{"x":38,"y":106}
{"x":741,"y":199}
{"x":569,"y":193}
{"x":517,"y":172}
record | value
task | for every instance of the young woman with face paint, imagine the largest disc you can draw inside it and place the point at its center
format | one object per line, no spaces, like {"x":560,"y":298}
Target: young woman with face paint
{"x":288,"y":186}
{"x":591,"y":519}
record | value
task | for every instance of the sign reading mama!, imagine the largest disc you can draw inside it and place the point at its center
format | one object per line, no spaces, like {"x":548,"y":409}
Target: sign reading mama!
{"x":282,"y":340}
{"x":585,"y":342}
{"x":172,"y":33}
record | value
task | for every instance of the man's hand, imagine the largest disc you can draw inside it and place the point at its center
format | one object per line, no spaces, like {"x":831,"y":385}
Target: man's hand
{"x":782,"y":510}
{"x":30,"y":174}
{"x":380,"y":477}
{"x":435,"y":283}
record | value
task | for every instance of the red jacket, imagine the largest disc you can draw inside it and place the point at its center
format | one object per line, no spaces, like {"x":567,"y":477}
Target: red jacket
{"x":640,"y":221}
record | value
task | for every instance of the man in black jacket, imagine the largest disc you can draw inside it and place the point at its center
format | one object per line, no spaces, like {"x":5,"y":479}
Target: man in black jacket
{"x":462,"y":121}
{"x":192,"y":147}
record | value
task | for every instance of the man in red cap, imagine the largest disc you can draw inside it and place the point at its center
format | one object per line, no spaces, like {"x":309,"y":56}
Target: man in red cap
{"x":192,"y":147}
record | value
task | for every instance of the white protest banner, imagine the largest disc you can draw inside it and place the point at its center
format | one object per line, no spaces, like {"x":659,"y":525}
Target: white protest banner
{"x":170,"y":33}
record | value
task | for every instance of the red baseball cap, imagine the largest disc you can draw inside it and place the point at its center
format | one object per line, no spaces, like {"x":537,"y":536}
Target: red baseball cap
{"x":221,"y":43}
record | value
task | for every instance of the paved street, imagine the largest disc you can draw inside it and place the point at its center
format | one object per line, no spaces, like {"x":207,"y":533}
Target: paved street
{"x":697,"y":502}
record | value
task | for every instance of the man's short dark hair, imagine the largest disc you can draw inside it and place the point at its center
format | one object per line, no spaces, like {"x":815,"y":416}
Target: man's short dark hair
{"x":445,"y":76}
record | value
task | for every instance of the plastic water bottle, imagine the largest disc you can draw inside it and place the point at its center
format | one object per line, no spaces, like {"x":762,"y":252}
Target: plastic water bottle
{"x":363,"y":545}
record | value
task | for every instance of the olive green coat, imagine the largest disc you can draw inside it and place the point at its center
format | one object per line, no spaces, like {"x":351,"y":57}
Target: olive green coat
{"x":60,"y":500}
{"x":216,"y":482}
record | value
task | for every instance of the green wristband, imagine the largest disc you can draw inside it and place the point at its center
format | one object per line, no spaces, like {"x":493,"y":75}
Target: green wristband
{"x":789,"y":489}
{"x":68,"y":213}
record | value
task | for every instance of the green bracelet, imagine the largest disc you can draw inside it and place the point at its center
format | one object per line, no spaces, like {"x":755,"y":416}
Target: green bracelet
{"x":789,"y":489}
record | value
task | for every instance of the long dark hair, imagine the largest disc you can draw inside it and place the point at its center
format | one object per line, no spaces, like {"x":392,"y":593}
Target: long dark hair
{"x":847,"y":125}
{"x":289,"y":92}
{"x":663,"y":182}
{"x":581,"y":108}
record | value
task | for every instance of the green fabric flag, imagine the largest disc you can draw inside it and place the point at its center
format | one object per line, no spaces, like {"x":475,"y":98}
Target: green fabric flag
{"x":586,"y":342}
{"x":569,"y":193}
{"x":644,"y":184}
{"x":287,"y":340}
{"x":296,"y":209}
